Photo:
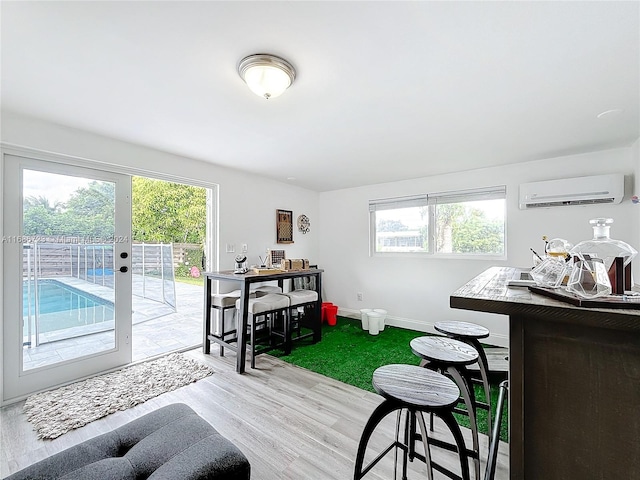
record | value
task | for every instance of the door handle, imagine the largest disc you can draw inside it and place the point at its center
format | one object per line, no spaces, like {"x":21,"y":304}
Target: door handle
{"x":124,"y":269}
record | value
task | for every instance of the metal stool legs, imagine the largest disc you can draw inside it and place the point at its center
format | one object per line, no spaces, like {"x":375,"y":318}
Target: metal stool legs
{"x":483,"y":365}
{"x":462,"y":379}
{"x":410,"y":436}
{"x":490,"y":472}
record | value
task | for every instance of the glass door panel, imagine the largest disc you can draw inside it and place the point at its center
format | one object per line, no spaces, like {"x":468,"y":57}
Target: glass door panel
{"x":69,"y":267}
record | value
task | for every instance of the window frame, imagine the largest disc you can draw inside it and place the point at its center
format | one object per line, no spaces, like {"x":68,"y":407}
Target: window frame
{"x":498,"y":192}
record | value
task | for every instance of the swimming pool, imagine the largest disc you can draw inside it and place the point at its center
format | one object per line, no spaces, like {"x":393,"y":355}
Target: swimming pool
{"x":61,"y":306}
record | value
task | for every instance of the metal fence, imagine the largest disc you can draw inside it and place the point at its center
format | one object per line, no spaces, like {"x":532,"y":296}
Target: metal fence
{"x":152,"y":268}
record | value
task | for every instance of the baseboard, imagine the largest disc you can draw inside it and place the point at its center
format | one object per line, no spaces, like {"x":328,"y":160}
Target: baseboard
{"x":498,"y":340}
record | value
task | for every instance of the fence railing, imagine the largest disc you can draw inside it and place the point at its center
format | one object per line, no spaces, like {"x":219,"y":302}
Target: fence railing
{"x":152,"y":268}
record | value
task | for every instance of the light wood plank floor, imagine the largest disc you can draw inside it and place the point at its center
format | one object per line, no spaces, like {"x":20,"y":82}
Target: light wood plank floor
{"x":291,"y":423}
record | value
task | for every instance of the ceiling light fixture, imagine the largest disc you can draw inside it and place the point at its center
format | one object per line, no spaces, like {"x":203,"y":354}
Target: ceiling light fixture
{"x":266,"y":75}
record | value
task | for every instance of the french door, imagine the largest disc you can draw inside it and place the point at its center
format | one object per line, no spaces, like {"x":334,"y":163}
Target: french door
{"x":67,"y":273}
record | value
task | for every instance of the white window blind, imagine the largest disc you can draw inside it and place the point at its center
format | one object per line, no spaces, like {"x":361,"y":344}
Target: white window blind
{"x":398,"y":202}
{"x":472,"y":195}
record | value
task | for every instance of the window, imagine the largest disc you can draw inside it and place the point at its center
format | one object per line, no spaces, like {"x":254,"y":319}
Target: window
{"x":468,"y":222}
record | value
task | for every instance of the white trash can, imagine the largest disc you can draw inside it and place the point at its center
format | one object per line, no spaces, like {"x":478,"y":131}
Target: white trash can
{"x":365,"y":318}
{"x":383,"y":318}
{"x":375,"y":319}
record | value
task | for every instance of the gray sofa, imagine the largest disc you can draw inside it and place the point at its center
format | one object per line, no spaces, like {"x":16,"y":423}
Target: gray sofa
{"x":171,"y":443}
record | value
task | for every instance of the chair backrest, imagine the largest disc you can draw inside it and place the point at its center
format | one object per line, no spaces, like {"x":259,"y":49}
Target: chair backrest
{"x":490,"y":472}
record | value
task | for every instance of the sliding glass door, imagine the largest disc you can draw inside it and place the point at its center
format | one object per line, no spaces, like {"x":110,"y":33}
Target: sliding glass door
{"x":67,"y":275}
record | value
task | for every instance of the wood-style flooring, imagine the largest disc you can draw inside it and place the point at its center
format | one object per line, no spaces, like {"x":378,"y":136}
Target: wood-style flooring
{"x":291,"y":423}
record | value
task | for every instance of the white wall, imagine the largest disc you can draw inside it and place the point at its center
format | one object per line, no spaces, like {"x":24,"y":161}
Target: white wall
{"x":247,"y":203}
{"x":415,"y":291}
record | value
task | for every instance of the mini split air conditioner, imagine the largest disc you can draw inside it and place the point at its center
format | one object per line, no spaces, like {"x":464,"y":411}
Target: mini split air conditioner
{"x":572,"y":191}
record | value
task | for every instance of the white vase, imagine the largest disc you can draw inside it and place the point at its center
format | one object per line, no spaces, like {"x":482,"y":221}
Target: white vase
{"x":364,"y":317}
{"x":375,"y":319}
{"x":383,"y":317}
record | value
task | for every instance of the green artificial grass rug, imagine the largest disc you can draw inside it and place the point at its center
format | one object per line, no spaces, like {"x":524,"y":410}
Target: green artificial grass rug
{"x":349,"y":354}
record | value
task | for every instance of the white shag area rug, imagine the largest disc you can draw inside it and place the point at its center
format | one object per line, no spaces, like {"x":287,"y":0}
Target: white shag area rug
{"x":58,"y":411}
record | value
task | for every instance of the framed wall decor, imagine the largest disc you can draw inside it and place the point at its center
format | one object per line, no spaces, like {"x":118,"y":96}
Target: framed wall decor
{"x":284,"y":226}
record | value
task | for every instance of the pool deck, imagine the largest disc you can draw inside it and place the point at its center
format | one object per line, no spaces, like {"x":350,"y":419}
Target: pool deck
{"x":157,"y":327}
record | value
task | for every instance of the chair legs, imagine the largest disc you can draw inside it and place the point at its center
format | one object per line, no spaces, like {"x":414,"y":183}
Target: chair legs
{"x":413,"y":416}
{"x":490,"y":472}
{"x":266,"y":320}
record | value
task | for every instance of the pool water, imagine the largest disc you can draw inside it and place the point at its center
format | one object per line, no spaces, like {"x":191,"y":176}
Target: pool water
{"x":61,"y":306}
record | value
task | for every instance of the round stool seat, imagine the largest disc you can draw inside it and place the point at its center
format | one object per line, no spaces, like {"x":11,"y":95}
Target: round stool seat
{"x":415,"y":386}
{"x":444,"y":350}
{"x":462,"y":329}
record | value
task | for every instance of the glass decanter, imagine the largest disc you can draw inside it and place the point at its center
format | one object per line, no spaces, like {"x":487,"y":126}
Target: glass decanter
{"x":553,"y":269}
{"x":615,"y":255}
{"x":557,"y":248}
{"x":589,"y":278}
{"x":603,"y":246}
{"x":550,"y":272}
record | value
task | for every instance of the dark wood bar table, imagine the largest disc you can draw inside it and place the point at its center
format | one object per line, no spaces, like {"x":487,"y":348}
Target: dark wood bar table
{"x":244,"y":281}
{"x":574,"y":375}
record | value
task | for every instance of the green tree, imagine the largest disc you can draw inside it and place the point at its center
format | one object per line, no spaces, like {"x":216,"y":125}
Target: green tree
{"x":167,"y":212}
{"x":90,"y":211}
{"x":474,"y":233}
{"x":448,"y":215}
{"x":38,"y":216}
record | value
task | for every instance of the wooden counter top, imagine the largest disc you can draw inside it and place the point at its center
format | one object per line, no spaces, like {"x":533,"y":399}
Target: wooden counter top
{"x":574,"y":382}
{"x":488,"y":292}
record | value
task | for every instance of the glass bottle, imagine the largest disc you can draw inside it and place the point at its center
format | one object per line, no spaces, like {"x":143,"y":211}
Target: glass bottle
{"x":603,"y":246}
{"x":589,"y":278}
{"x":558,"y":248}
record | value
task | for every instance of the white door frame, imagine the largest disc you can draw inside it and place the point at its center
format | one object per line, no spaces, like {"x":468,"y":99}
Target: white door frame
{"x":16,"y":382}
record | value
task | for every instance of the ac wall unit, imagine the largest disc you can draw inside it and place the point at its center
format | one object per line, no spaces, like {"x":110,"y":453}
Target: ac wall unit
{"x":572,"y":191}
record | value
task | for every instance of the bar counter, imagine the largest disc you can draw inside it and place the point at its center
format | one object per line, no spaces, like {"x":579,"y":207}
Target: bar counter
{"x":574,"y":378}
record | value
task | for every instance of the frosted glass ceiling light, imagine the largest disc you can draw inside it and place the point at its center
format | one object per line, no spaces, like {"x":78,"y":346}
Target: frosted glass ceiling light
{"x":266,"y":75}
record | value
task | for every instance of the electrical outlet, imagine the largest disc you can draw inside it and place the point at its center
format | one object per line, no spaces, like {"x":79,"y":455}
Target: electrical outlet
{"x":359,"y":295}
{"x":231,"y":248}
{"x":245,"y":248}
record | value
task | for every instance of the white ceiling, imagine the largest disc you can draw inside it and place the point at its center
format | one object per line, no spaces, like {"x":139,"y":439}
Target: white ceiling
{"x":385,"y":90}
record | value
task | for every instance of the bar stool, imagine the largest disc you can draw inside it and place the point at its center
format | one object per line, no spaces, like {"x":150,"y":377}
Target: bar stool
{"x":451,"y":357}
{"x":262,"y":313}
{"x":471,"y":333}
{"x":223,"y":302}
{"x":302,"y":307}
{"x":415,"y":390}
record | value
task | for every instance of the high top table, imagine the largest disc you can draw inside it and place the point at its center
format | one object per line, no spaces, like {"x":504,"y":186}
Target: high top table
{"x":245,"y":280}
{"x":574,"y":372}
